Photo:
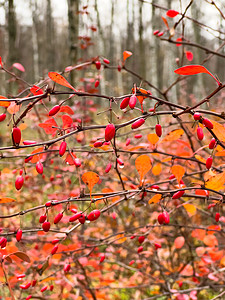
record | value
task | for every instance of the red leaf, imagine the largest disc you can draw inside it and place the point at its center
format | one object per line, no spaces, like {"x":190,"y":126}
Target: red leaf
{"x":36,"y":90}
{"x":1,"y":64}
{"x":192,"y":70}
{"x":19,"y":67}
{"x":70,"y":159}
{"x":56,"y":77}
{"x":172,"y":13}
{"x":47,"y":126}
{"x":67,"y":110}
{"x":67,"y":121}
{"x":189,"y":55}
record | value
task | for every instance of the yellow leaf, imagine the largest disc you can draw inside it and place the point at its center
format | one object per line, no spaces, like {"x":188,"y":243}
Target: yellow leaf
{"x":219,"y":130}
{"x":178,"y":171}
{"x":153,"y":138}
{"x":6,"y":200}
{"x":143,"y":165}
{"x":200,"y":158}
{"x":216,"y":182}
{"x":22,"y":126}
{"x":90,"y":179}
{"x":190,"y":208}
{"x":126,"y":54}
{"x":155,"y":199}
{"x":120,"y":239}
{"x":173,"y":135}
{"x":157,"y":169}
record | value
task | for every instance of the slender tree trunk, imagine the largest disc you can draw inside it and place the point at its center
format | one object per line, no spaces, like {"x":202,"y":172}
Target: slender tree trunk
{"x":73,"y":18}
{"x":11,"y":18}
{"x":50,"y":37}
{"x":142,"y":67}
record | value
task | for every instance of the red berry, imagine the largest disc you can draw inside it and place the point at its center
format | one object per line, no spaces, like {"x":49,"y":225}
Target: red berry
{"x":19,"y":235}
{"x":48,"y":204}
{"x":178,"y":194}
{"x":97,"y":83}
{"x":197,"y":116}
{"x":208,"y":124}
{"x":158,"y":130}
{"x":51,"y":287}
{"x":138,"y":136}
{"x":75,"y":217}
{"x":54,"y":110}
{"x":208,"y":163}
{"x":27,"y":159}
{"x":25,"y":286}
{"x":44,"y":288}
{"x":131,"y":262}
{"x":42,"y":218}
{"x":77,"y":162}
{"x":55,"y":241}
{"x":120,"y":162}
{"x":106,"y":61}
{"x":124,"y":103}
{"x":39,"y":167}
{"x":138,"y":123}
{"x":98,"y":65}
{"x":62,"y":148}
{"x":212,"y":143}
{"x":157,"y":246}
{"x":67,"y":268}
{"x":3,"y":242}
{"x":156,"y":32}
{"x":140,"y":249}
{"x":2,"y":117}
{"x":141,"y":239}
{"x":110,"y":132}
{"x":102,"y":258}
{"x":108,"y":168}
{"x":54,"y":250}
{"x":132,"y":101}
{"x":166,"y":217}
{"x":98,"y":144}
{"x":19,"y":182}
{"x":133,"y":237}
{"x":46,"y":226}
{"x":82,"y":219}
{"x":119,"y":68}
{"x":200,"y":133}
{"x":161,"y":218}
{"x":160,"y":33}
{"x":16,"y":136}
{"x":58,"y":218}
{"x":94,"y":215}
{"x":155,"y":187}
{"x":20,"y":276}
{"x":180,"y":284}
{"x":217,"y":217}
{"x":29,"y":142}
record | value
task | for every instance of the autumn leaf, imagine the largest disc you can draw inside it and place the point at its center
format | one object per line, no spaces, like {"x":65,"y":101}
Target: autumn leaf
{"x":143,"y":165}
{"x":13,"y":108}
{"x":6,"y":200}
{"x":189,"y":55}
{"x":153,"y":138}
{"x":90,"y":179}
{"x":210,"y":240}
{"x":219,"y":130}
{"x":70,"y":158}
{"x":178,"y":171}
{"x":36,"y":90}
{"x":172,"y":13}
{"x":67,"y":121}
{"x":4,"y":103}
{"x":179,"y":242}
{"x":126,"y":54}
{"x":48,"y":126}
{"x":37,"y":157}
{"x":194,"y":69}
{"x":67,"y":110}
{"x":190,"y":209}
{"x":173,"y":135}
{"x":216,"y":182}
{"x":157,"y":169}
{"x":155,"y":199}
{"x":165,"y":22}
{"x":56,"y":77}
{"x":23,"y":256}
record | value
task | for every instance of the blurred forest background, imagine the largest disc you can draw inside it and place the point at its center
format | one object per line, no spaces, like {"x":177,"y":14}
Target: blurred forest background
{"x":49,"y":35}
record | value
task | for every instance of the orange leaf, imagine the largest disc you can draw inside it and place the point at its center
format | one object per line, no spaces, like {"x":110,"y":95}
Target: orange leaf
{"x":157,"y":169}
{"x":155,"y":199}
{"x":173,"y":135}
{"x":194,"y":69}
{"x":120,"y":239}
{"x":143,"y":165}
{"x":126,"y":54}
{"x":67,"y":110}
{"x":4,"y":103}
{"x":23,"y":256}
{"x":219,"y":130}
{"x":198,"y":234}
{"x":165,"y":22}
{"x":200,"y":158}
{"x":37,"y":157}
{"x":47,"y":126}
{"x":153,"y":138}
{"x":56,"y":77}
{"x":6,"y":200}
{"x":36,"y":90}
{"x":13,"y":108}
{"x":216,"y":182}
{"x":179,"y":242}
{"x":178,"y":171}
{"x":190,"y":208}
{"x":187,"y":271}
{"x":210,"y":240}
{"x":90,"y":179}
